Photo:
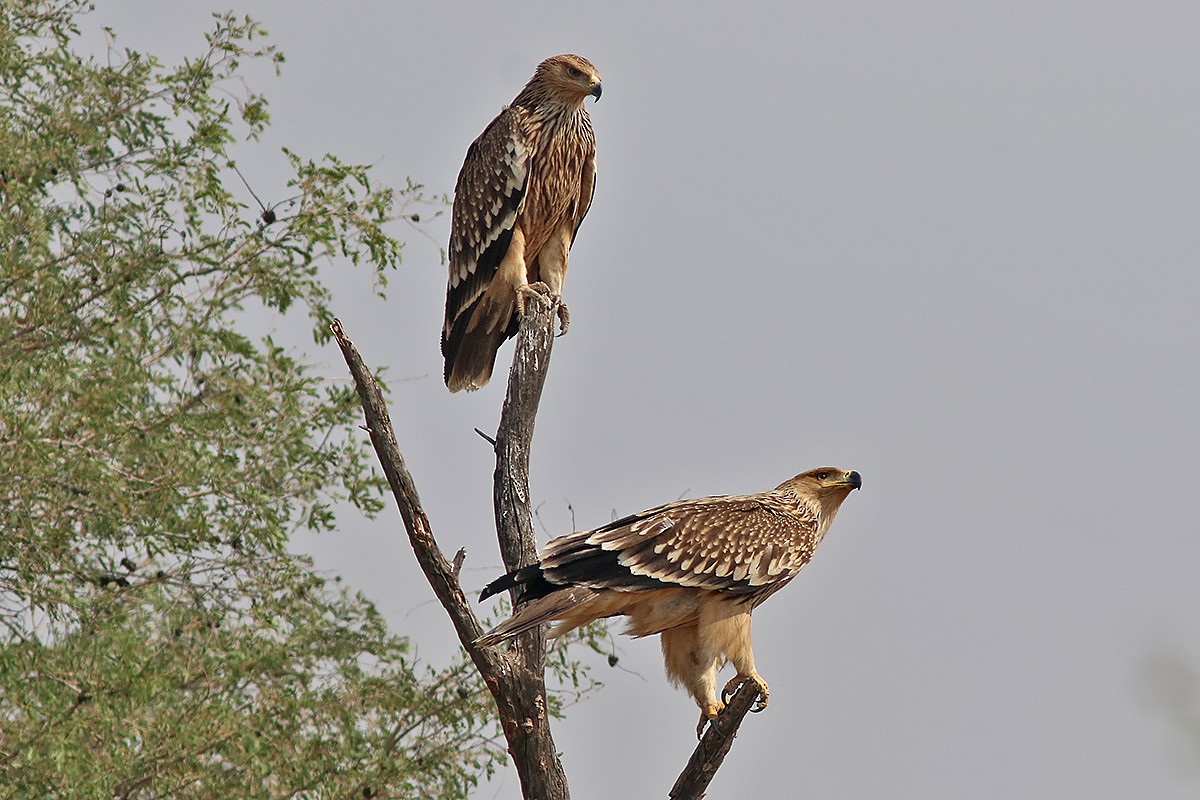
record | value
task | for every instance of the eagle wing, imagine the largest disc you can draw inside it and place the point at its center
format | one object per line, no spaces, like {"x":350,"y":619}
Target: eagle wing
{"x":487,"y":199}
{"x":747,"y":545}
{"x":587,"y":187}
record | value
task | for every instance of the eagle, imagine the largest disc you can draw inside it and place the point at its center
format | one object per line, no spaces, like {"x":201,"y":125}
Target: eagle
{"x":524,"y":188}
{"x":691,"y":570}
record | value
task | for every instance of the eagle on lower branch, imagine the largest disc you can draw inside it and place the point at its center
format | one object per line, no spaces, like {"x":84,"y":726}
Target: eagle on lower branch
{"x":524,"y":189}
{"x":691,"y":570}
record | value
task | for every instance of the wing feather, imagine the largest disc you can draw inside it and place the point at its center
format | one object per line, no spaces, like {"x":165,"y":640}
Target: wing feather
{"x":740,"y":545}
{"x":587,"y":182}
{"x":487,"y":200}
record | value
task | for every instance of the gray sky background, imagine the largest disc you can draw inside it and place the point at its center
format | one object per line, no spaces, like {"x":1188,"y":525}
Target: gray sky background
{"x":952,"y":246}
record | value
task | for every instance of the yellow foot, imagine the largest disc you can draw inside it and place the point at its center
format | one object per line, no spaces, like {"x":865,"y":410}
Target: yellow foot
{"x":764,"y":692}
{"x":708,"y":713}
{"x":539,"y":291}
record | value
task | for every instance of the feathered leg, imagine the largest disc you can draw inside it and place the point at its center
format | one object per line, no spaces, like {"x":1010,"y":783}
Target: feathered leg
{"x":552,"y":270}
{"x":693,"y":665}
{"x":741,"y":655}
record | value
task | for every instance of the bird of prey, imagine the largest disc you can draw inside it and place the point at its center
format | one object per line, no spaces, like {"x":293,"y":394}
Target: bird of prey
{"x":692,"y":570}
{"x":524,"y":188}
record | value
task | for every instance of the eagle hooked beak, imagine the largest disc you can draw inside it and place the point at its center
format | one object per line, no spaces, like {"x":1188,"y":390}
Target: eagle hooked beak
{"x":596,"y":91}
{"x":853,"y":480}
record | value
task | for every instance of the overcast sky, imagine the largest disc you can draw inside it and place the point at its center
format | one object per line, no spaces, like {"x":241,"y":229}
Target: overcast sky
{"x":951,"y":245}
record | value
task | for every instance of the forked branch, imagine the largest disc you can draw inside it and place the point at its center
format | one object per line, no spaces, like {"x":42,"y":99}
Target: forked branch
{"x":516,"y":678}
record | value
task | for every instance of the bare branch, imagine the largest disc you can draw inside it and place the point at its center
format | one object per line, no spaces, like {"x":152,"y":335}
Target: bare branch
{"x":514,"y":519}
{"x":714,"y":744}
{"x":530,"y":743}
{"x":438,"y":571}
{"x":515,"y":678}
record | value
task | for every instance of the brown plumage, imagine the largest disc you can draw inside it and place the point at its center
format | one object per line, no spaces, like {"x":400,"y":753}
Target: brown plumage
{"x":524,"y":188}
{"x":692,"y":570}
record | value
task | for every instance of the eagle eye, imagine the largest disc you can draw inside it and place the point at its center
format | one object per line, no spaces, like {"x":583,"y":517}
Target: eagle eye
{"x":822,"y":476}
{"x":575,"y":73}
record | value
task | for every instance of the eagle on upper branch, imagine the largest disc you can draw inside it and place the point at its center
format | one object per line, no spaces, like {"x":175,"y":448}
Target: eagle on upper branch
{"x":524,"y":189}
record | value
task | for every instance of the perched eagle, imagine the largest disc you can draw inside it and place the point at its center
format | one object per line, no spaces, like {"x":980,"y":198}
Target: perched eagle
{"x":692,"y":570}
{"x":524,"y":188}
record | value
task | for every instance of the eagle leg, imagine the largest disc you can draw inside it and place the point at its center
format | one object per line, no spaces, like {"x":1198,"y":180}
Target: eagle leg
{"x":764,"y":692}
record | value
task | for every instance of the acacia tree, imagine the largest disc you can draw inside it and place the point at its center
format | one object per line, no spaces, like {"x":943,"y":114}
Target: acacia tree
{"x":155,"y":637}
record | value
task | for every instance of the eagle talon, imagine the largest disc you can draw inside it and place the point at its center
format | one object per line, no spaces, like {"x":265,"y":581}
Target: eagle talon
{"x":764,"y":692}
{"x":709,"y":714}
{"x":539,"y":291}
{"x":564,"y":317}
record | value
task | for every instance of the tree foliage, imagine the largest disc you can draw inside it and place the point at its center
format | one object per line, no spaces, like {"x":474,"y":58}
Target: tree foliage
{"x":157,"y":640}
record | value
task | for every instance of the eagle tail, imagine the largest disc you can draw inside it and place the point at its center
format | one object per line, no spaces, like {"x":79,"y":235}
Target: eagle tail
{"x":553,"y":606}
{"x":471,"y":344}
{"x":523,"y":577}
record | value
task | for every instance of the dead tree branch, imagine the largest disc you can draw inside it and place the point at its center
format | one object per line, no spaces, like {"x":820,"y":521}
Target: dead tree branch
{"x":438,"y":571}
{"x":714,"y":745}
{"x":526,"y":655}
{"x":516,"y":678}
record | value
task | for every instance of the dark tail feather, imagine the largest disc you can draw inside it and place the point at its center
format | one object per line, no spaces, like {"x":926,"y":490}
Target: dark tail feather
{"x":529,"y":616}
{"x":470,"y":351}
{"x":518,"y":577}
